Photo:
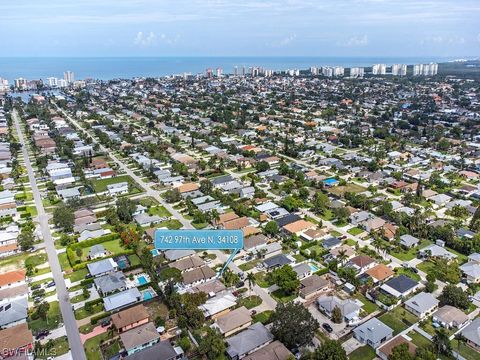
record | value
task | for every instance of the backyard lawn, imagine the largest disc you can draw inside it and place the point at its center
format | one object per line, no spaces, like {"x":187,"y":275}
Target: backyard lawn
{"x":261,"y":280}
{"x":54,"y":317}
{"x":368,"y":306}
{"x":159,"y":210}
{"x":281,"y":296}
{"x":100,"y":185}
{"x":77,"y":275}
{"x":407,"y":255}
{"x":173,"y":224}
{"x":59,"y":347}
{"x":92,"y":346}
{"x":249,"y":265}
{"x":250,"y":301}
{"x":64,"y":263}
{"x":419,"y":339}
{"x":341,"y":190}
{"x":82,"y":313}
{"x":362,"y":353}
{"x":398,"y":319}
{"x":355,"y":231}
{"x":466,"y":351}
{"x":263,"y":317}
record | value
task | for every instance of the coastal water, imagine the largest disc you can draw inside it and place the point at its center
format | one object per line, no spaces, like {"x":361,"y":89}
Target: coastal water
{"x":106,"y":68}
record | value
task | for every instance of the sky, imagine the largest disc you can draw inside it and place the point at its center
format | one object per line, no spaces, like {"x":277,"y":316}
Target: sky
{"x":240,"y":28}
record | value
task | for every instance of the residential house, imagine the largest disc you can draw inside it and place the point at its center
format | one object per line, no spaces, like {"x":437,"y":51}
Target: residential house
{"x":16,"y":340}
{"x":472,"y":334}
{"x":111,"y":282}
{"x":421,"y":305}
{"x":386,"y":350}
{"x":139,"y":338}
{"x":130,"y":318}
{"x":302,"y":270}
{"x":255,"y":337}
{"x":450,"y":317}
{"x":198,"y":276}
{"x":122,"y":299}
{"x":102,"y":267}
{"x":400,"y":286}
{"x":273,"y":351}
{"x":116,"y":189}
{"x":314,"y":285}
{"x":361,"y":263}
{"x":162,"y":350}
{"x":218,"y":305}
{"x":298,"y":227}
{"x":408,"y":241}
{"x":350,"y":309}
{"x":373,"y":333}
{"x":276,"y":261}
{"x":97,"y":251}
{"x":233,"y":321}
{"x":380,"y":272}
{"x":13,"y":312}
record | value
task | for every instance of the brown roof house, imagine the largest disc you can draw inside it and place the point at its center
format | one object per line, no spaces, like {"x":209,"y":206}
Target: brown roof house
{"x":130,"y":318}
{"x":450,"y":317}
{"x":198,"y":276}
{"x":312,"y":286}
{"x":234,"y":321}
{"x":380,"y":272}
{"x":298,"y":227}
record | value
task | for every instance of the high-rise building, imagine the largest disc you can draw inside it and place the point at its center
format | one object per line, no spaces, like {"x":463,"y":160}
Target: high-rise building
{"x":357,"y":72}
{"x":219,"y":72}
{"x":379,"y":69}
{"x":244,"y":72}
{"x":68,"y":76}
{"x":327,"y":71}
{"x":52,"y":81}
{"x":338,"y":71}
{"x":399,"y":69}
{"x":314,"y":70}
{"x":20,"y":83}
{"x":209,"y":73}
{"x":62,"y":83}
{"x":425,"y":69}
{"x":235,"y":70}
{"x":4,"y":85}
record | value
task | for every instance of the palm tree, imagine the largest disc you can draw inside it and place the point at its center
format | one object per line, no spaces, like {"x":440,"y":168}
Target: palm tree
{"x":251,"y":282}
{"x":441,"y":343}
{"x":342,"y":256}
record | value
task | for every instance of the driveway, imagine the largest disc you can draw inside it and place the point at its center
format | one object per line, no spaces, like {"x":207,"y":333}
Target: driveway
{"x":338,"y":329}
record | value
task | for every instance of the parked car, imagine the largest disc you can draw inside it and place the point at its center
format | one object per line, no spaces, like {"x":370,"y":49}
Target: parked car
{"x":327,"y":327}
{"x":50,"y":284}
{"x":254,"y":312}
{"x":36,"y":287}
{"x":240,"y":284}
{"x":105,"y":323}
{"x":41,"y":334}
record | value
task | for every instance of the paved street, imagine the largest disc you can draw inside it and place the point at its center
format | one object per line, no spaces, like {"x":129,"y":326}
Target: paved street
{"x":65,"y":306}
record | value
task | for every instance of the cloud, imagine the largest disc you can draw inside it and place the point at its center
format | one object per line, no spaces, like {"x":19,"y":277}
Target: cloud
{"x":145,"y":39}
{"x":355,"y":41}
{"x":150,"y":39}
{"x":443,"y":40}
{"x":284,"y":42}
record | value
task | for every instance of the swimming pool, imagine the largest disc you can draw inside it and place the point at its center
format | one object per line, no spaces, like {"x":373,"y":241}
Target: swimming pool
{"x":155,"y":252}
{"x":122,"y":264}
{"x":147,"y":295}
{"x":142,"y":280}
{"x":313,"y":267}
{"x":330,"y":181}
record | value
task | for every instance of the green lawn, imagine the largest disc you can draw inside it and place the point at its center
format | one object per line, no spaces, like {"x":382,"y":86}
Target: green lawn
{"x":36,"y":260}
{"x":262,"y":280}
{"x":87,"y":328}
{"x":426,"y":266}
{"x":159,"y":210}
{"x":263,"y":317}
{"x":250,"y":301}
{"x":355,"y":231}
{"x":59,"y":346}
{"x":199,"y":225}
{"x":82,"y":313}
{"x":427,"y":326}
{"x":466,"y":351}
{"x":112,"y":246}
{"x":100,"y":185}
{"x":368,"y":306}
{"x":398,"y":319}
{"x":92,"y":346}
{"x":341,"y":190}
{"x":280,"y":295}
{"x":407,"y":255}
{"x":54,"y":317}
{"x":77,"y":275}
{"x":173,"y":224}
{"x":362,"y":353}
{"x":112,"y":349}
{"x":419,"y":339}
{"x":249,"y":265}
{"x":64,"y":263}
{"x":134,"y":260}
{"x":407,"y":272}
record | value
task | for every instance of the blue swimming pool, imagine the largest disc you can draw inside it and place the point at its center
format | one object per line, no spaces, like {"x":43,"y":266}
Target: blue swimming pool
{"x":147,"y":295}
{"x":330,"y":181}
{"x":313,"y":267}
{"x":122,"y":264}
{"x":142,"y":280}
{"x":155,"y":252}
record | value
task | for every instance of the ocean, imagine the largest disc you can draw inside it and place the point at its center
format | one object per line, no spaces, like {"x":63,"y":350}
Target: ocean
{"x":106,"y":68}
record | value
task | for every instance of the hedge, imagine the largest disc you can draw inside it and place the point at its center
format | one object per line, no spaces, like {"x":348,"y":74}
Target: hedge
{"x":93,"y":302}
{"x":84,"y":264}
{"x":322,"y":271}
{"x":91,"y":242}
{"x":86,"y":281}
{"x":94,"y":319}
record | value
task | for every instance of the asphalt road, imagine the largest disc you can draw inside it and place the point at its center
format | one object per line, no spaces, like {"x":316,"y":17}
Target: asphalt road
{"x":69,"y":321}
